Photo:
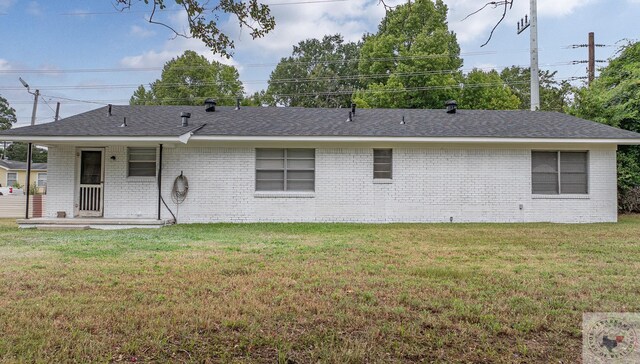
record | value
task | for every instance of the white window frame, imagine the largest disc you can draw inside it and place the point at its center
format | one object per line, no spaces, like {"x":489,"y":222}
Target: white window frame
{"x":154,"y":161}
{"x":285,"y":169}
{"x":559,"y":172}
{"x":16,"y":179}
{"x":39,"y":179}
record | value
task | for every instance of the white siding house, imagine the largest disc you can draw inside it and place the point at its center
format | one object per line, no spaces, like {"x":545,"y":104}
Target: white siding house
{"x":283,"y":177}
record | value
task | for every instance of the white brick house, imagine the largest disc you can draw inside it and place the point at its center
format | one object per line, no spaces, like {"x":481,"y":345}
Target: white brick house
{"x":311,"y":165}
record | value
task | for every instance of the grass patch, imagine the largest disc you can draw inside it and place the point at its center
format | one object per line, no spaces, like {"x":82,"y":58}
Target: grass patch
{"x":297,"y":293}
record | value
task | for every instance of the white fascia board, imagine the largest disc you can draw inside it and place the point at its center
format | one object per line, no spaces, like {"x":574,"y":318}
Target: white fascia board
{"x":103,"y":139}
{"x":186,"y":137}
{"x":226,"y":138}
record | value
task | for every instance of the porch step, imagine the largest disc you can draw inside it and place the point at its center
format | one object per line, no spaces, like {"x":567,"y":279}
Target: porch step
{"x":62,"y":227}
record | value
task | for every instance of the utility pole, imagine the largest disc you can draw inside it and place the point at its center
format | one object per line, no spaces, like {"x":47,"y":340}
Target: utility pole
{"x":57,"y":112}
{"x":532,"y":21}
{"x":592,"y":58}
{"x":30,"y":149}
{"x":591,"y":62}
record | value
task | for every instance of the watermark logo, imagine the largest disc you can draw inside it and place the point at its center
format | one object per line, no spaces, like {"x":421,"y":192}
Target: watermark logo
{"x":610,"y":337}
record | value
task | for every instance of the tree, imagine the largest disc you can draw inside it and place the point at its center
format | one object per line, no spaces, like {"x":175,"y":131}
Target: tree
{"x":487,"y":91}
{"x":142,"y":96}
{"x":554,"y":95}
{"x":390,"y":94}
{"x":18,"y":152}
{"x":413,"y":44}
{"x":505,"y":5}
{"x":190,"y":79}
{"x":7,"y":114}
{"x":614,"y":99}
{"x":203,"y":20}
{"x":319,"y":73}
{"x":259,"y":98}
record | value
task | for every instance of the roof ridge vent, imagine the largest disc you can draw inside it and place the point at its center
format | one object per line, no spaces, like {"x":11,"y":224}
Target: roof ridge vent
{"x":350,"y":118}
{"x":185,"y":118}
{"x":452,"y":106}
{"x":210,"y":105}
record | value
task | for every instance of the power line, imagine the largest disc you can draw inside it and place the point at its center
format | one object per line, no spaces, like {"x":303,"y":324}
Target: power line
{"x":250,"y":65}
{"x":257,"y":65}
{"x":52,"y":110}
{"x":46,"y":103}
{"x":315,"y":93}
{"x":354,"y":77}
{"x":75,"y":100}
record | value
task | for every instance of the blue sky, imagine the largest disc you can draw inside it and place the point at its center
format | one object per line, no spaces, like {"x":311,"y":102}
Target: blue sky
{"x":48,"y":42}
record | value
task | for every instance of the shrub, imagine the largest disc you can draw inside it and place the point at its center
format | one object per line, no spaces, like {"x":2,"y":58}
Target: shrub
{"x":630,"y":200}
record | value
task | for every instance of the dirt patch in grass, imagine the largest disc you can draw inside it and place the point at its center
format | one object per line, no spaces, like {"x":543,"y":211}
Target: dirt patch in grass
{"x":298,"y":293}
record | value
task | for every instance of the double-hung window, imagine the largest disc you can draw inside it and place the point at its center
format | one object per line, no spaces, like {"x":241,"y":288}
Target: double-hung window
{"x":142,"y":162}
{"x":554,"y":173}
{"x":382,"y":163}
{"x":12,"y":178}
{"x":285,"y":169}
{"x":42,"y":179}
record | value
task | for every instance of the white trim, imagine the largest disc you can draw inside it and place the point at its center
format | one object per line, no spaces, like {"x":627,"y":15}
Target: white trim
{"x":63,"y":139}
{"x":284,"y":194}
{"x":566,"y":196}
{"x":412,"y":139}
{"x":382,"y":181}
{"x":185,"y":138}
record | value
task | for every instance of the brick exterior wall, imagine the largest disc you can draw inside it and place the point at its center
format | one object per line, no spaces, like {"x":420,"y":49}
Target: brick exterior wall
{"x":430,"y":184}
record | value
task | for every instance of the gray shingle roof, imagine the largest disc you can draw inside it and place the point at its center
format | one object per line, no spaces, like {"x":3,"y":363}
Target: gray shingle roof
{"x":293,"y":121}
{"x":22,"y":165}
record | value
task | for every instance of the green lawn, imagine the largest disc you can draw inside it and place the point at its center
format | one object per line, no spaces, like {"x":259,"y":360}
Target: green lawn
{"x":299,"y":293}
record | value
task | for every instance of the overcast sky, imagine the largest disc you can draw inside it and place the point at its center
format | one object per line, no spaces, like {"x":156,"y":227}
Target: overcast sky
{"x":48,"y":42}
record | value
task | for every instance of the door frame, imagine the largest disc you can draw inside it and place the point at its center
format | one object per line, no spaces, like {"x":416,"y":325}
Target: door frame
{"x":78,"y":176}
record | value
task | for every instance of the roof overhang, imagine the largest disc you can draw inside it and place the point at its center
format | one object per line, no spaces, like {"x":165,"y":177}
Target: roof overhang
{"x":45,"y":140}
{"x":374,"y":139}
{"x":187,"y":137}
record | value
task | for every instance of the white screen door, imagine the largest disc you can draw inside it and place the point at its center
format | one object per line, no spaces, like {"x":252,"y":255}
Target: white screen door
{"x":90,"y":198}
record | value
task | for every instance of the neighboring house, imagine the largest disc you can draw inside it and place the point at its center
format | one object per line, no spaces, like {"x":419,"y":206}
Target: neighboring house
{"x":14,"y":173}
{"x":256,"y":164}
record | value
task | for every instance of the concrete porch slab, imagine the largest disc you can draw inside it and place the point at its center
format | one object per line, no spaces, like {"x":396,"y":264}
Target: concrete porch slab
{"x":90,"y":223}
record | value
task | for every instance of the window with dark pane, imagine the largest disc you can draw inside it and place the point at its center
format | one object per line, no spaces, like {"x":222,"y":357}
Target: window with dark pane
{"x":142,"y":162}
{"x":382,"y":163}
{"x":573,"y":173}
{"x":554,"y":173}
{"x":544,"y":173}
{"x":285,"y":169}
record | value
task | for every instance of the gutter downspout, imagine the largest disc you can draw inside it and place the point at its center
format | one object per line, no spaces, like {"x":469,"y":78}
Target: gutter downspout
{"x":26,"y":213}
{"x":160,"y":183}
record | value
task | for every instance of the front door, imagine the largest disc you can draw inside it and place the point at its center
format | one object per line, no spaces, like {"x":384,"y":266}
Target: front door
{"x":90,"y":186}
